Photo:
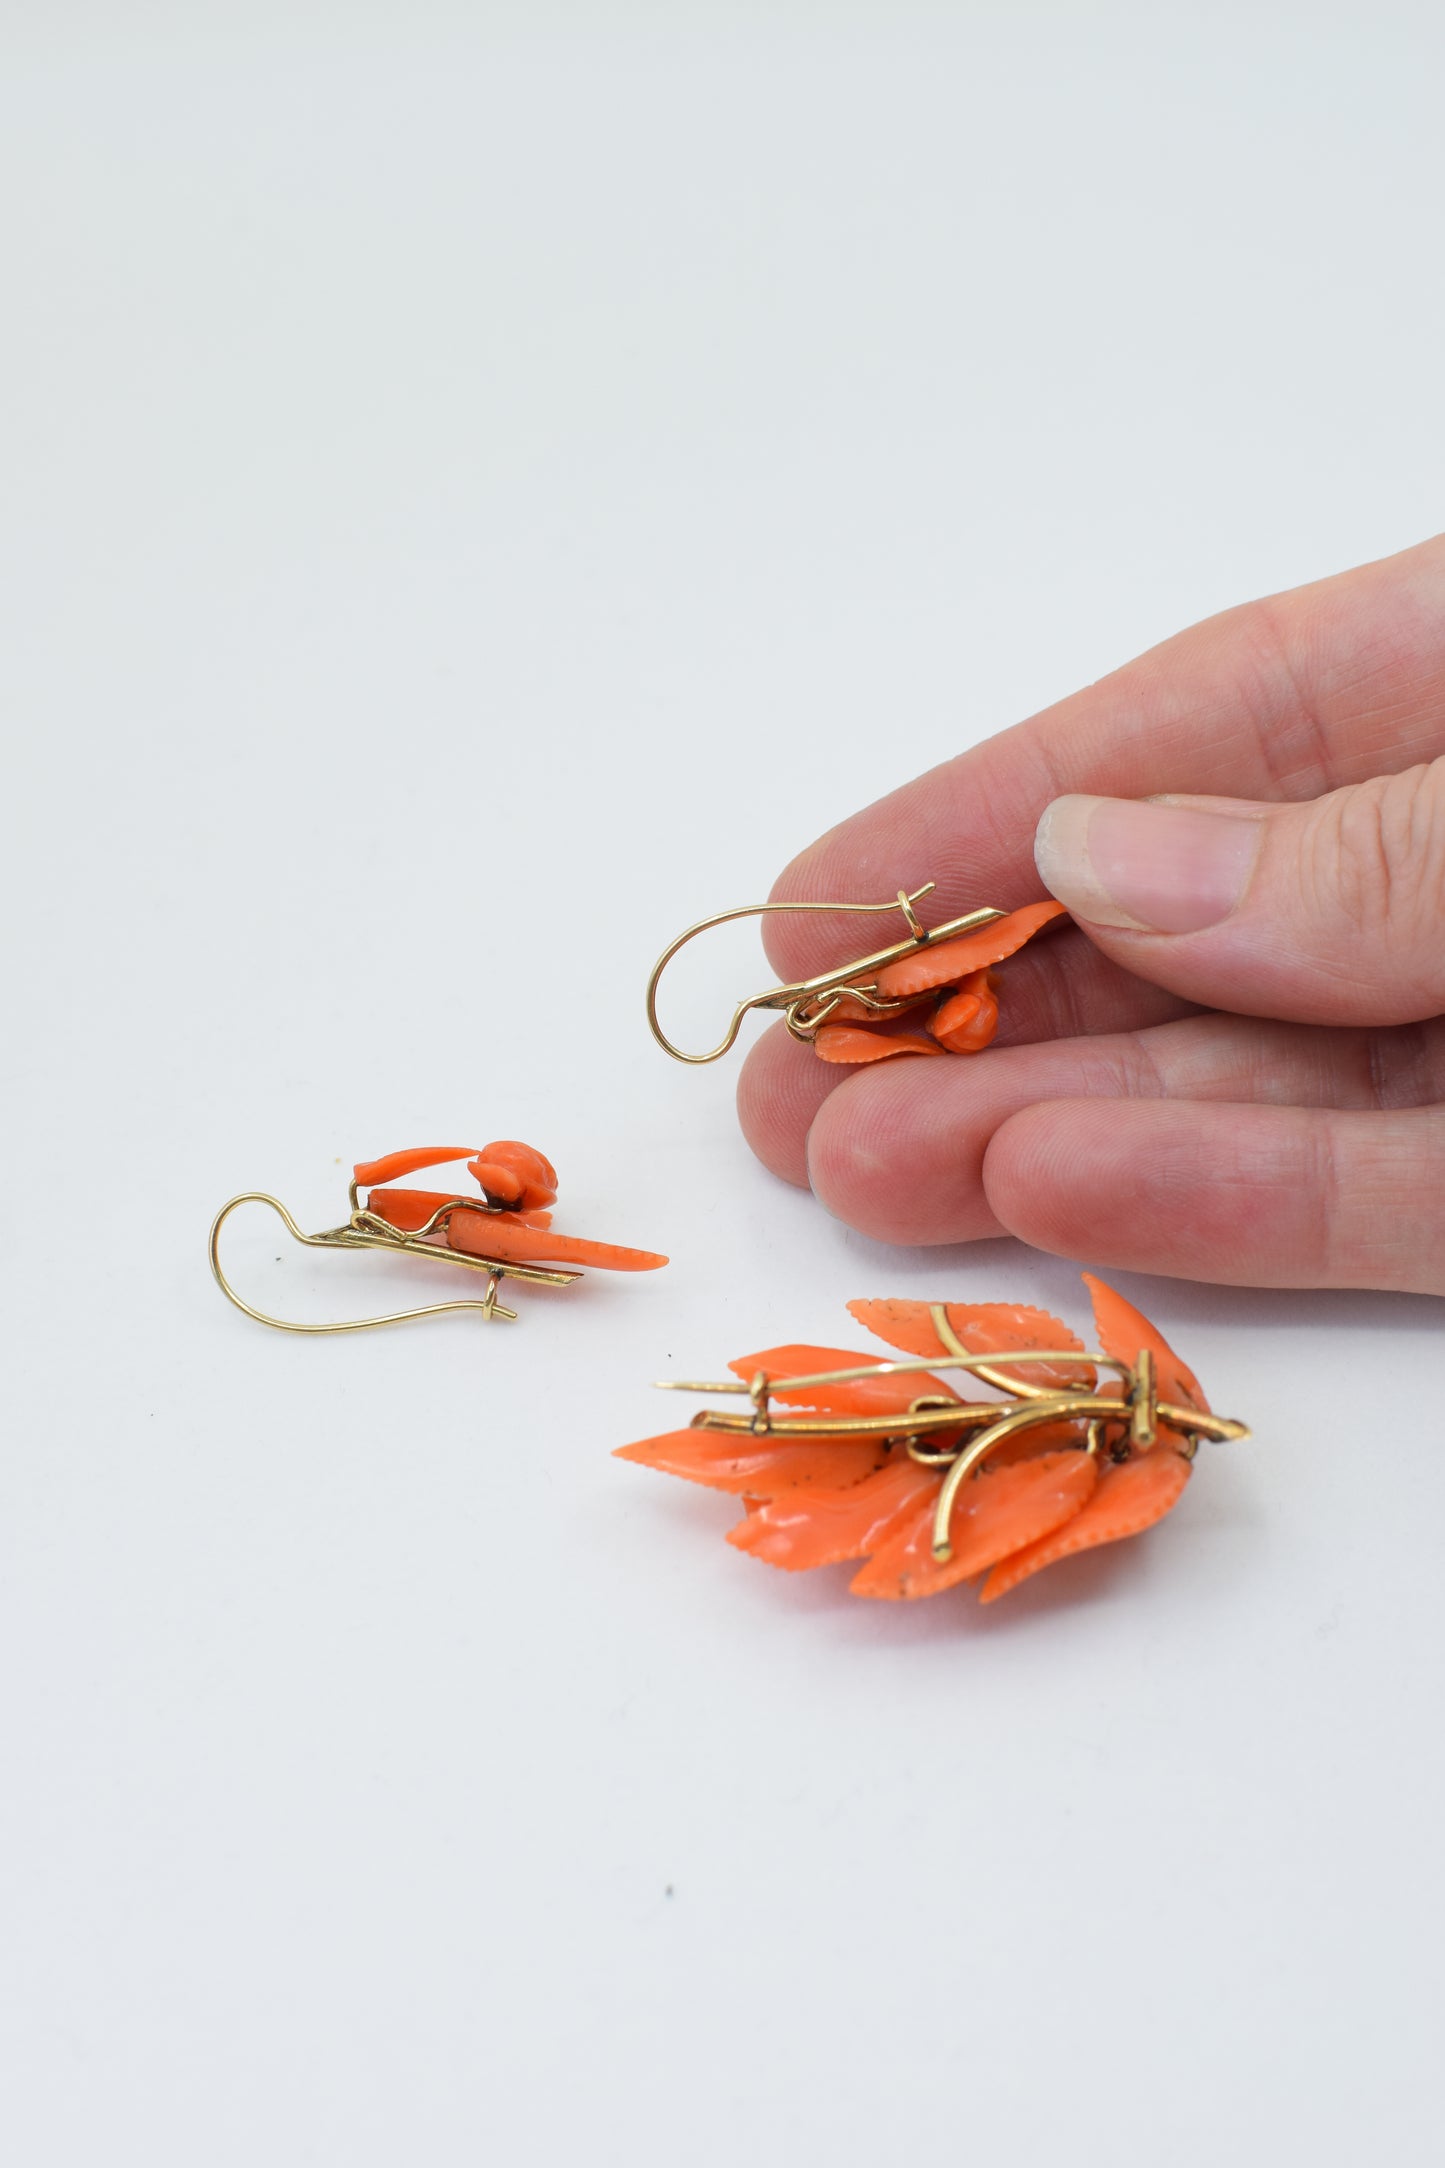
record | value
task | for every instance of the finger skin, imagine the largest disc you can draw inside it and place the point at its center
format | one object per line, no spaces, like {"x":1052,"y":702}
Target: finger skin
{"x":1247,"y":1196}
{"x":1342,"y":920}
{"x":781,"y":1087}
{"x":902,"y":1157}
{"x":1284,"y":698}
{"x":1280,"y":701}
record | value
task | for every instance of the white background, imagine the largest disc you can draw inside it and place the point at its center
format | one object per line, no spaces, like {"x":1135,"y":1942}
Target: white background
{"x":482,"y":486}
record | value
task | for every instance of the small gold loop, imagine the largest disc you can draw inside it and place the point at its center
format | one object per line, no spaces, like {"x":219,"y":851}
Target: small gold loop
{"x":915,"y":923}
{"x":806,"y":1018}
{"x":928,"y":1456}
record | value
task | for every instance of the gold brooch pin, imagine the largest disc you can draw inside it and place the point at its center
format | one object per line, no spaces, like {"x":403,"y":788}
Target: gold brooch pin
{"x":878,"y":1460}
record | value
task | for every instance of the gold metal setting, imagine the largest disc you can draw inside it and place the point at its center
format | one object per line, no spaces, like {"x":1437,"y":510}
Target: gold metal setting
{"x":808,"y":1003}
{"x":1121,"y":1425}
{"x":366,"y":1230}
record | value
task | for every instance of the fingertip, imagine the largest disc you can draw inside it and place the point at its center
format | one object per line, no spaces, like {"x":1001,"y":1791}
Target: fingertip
{"x":889,"y":1155}
{"x":780,"y":1089}
{"x":1041,"y":1178}
{"x":1226,"y":1193}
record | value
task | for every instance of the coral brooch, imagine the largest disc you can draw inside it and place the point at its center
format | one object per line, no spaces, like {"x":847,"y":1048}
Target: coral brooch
{"x":882,"y":1461}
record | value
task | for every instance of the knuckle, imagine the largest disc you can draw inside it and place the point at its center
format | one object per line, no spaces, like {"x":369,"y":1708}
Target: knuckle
{"x":1377,"y":856}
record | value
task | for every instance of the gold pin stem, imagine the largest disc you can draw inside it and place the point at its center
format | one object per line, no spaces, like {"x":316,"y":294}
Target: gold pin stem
{"x":916,"y":1365}
{"x":965,"y":1415}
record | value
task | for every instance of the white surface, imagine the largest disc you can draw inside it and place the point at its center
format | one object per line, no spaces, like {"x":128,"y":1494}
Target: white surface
{"x":481,"y":488}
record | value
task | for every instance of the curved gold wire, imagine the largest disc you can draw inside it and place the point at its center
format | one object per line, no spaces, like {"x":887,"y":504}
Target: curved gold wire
{"x":988,"y":1371}
{"x":806,"y":1001}
{"x":1058,"y":1408}
{"x":368,"y":1231}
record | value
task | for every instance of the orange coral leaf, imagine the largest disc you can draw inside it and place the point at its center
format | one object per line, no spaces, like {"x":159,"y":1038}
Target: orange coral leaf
{"x":408,"y":1209}
{"x":886,"y":1395}
{"x":998,"y":1512}
{"x":818,"y":1527}
{"x":984,"y":1328}
{"x":949,"y":961}
{"x":968,"y":1021}
{"x":1128,"y":1497}
{"x":1123,"y":1331}
{"x":499,"y":1234}
{"x":756,"y":1466}
{"x":512,"y":1237}
{"x":855,"y":1043}
{"x":394,"y":1164}
{"x":849,"y":1011}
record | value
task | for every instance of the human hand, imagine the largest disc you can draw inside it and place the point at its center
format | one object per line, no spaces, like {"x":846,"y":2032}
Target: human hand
{"x":1233,"y":1068}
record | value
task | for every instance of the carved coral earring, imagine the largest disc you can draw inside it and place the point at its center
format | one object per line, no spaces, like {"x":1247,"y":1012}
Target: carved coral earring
{"x":504,"y":1231}
{"x":884,"y":1463}
{"x":932,"y":993}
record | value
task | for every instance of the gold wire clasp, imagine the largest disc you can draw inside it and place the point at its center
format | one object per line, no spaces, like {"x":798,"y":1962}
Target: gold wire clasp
{"x":808,"y":1003}
{"x":366,"y":1229}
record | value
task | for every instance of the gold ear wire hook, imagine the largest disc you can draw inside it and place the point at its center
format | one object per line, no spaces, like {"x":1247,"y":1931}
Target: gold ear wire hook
{"x":368,"y":1231}
{"x":807,"y":1003}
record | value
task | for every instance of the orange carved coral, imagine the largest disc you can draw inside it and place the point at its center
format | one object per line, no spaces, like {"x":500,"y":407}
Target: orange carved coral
{"x":1002,"y":1511}
{"x":951,"y":976}
{"x":1095,"y":1461}
{"x":505,"y":1220}
{"x":852,"y":1043}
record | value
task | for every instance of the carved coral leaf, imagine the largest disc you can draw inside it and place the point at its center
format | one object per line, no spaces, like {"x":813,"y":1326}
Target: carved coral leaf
{"x":855,"y":1043}
{"x":804,"y":1528}
{"x":758,"y":1467}
{"x":1127,"y":1499}
{"x":1000,"y":1512}
{"x":886,"y":1395}
{"x":949,"y":961}
{"x":1123,"y":1331}
{"x":983,"y":1328}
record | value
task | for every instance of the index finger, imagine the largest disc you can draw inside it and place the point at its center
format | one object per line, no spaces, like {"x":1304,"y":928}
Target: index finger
{"x":1281,"y":698}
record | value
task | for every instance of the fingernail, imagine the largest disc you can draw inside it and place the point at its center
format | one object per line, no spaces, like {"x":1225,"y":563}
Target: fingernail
{"x":1154,"y":868}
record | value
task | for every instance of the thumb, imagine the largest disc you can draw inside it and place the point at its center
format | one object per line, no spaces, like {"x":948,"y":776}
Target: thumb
{"x":1330,"y":912}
